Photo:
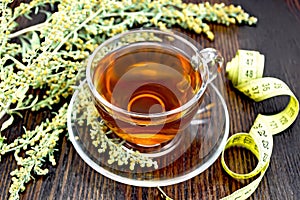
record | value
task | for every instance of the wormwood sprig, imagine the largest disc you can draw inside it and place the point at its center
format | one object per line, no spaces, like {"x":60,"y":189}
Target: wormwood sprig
{"x":57,"y":47}
{"x":117,"y":152}
{"x":37,"y":146}
{"x":71,"y":33}
{"x":40,"y":65}
{"x":87,"y":116}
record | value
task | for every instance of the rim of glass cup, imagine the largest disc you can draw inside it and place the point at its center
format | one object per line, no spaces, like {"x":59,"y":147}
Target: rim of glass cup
{"x":182,"y":37}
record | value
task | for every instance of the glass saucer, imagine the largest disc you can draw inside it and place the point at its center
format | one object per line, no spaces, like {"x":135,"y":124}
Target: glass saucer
{"x":186,"y":156}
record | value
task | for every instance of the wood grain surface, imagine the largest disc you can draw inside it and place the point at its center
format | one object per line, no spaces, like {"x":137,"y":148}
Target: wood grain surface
{"x":277,"y":36}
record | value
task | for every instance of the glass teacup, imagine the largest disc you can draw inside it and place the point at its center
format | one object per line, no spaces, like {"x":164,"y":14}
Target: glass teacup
{"x":147,"y":84}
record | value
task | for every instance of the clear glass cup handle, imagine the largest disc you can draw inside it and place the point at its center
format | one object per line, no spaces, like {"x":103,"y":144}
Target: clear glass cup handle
{"x":214,"y":61}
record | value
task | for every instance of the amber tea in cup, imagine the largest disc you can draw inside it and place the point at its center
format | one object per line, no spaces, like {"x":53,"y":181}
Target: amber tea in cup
{"x":148,"y":84}
{"x":146,"y":79}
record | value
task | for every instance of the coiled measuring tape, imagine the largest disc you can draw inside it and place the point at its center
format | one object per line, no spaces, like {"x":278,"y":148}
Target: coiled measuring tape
{"x":245,"y":71}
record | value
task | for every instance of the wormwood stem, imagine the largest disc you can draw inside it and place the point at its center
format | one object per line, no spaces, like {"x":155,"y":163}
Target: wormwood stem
{"x":75,"y":30}
{"x":163,"y":194}
{"x":36,"y":27}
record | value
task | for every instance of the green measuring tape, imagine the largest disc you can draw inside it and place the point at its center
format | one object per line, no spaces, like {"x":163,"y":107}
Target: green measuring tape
{"x":245,"y":71}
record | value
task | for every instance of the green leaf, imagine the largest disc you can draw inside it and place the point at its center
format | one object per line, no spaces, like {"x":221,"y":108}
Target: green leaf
{"x":28,"y":16}
{"x":16,"y":113}
{"x":25,"y":46}
{"x":34,"y":101}
{"x":35,"y":40}
{"x":47,"y":13}
{"x":36,"y":10}
{"x":75,"y":36}
{"x":21,"y":91}
{"x":1,"y":143}
{"x":7,"y":123}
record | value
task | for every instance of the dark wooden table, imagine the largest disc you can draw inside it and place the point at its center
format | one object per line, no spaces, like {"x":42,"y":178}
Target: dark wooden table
{"x":277,"y":36}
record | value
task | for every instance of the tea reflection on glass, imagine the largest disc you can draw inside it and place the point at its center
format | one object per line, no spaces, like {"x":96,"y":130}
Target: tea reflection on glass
{"x":148,"y":84}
